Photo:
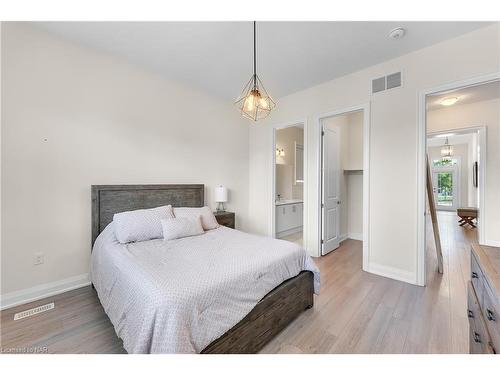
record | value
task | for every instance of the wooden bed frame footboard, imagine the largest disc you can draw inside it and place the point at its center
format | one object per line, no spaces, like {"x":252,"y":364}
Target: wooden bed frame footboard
{"x":270,"y":316}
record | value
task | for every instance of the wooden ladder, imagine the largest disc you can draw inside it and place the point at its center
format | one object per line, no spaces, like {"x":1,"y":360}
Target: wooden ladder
{"x":432,"y":208}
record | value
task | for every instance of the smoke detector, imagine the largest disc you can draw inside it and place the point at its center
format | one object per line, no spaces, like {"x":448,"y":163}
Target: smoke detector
{"x":397,"y":33}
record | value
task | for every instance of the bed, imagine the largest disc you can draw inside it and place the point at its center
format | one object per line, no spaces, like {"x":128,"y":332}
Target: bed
{"x":224,"y":291}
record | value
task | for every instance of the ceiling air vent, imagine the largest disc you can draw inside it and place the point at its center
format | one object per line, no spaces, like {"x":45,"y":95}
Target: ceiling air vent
{"x":393,"y":80}
{"x":378,"y":85}
{"x":385,"y":83}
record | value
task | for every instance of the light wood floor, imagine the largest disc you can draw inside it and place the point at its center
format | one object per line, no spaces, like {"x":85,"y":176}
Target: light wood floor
{"x":356,"y":312}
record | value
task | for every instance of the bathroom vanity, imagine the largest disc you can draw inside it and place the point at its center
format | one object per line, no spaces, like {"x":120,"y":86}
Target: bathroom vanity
{"x":289,"y":217}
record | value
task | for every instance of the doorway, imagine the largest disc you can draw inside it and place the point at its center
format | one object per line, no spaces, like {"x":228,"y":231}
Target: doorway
{"x":454,"y":122}
{"x":289,"y":178}
{"x":343,"y":171}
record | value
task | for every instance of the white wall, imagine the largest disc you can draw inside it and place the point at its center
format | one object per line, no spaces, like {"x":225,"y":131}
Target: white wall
{"x":72,"y":118}
{"x":393,"y":142}
{"x":353,"y":149}
{"x":484,"y":113}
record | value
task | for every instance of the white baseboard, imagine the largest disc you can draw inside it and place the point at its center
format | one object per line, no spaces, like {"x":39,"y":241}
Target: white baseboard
{"x":491,"y":243}
{"x":392,"y":273}
{"x":355,"y":236}
{"x":42,"y":291}
{"x":352,"y":236}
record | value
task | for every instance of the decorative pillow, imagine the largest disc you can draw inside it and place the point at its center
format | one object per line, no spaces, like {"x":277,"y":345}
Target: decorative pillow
{"x":140,"y":225}
{"x":208,"y":220}
{"x":179,"y":227}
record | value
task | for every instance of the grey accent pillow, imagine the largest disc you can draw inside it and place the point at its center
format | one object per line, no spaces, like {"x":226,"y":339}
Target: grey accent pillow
{"x":179,"y":227}
{"x":140,"y":225}
{"x":208,"y":220}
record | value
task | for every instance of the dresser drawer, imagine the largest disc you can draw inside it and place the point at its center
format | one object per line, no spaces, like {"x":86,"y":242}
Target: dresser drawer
{"x":479,"y":338}
{"x":476,"y":277}
{"x":491,"y":314}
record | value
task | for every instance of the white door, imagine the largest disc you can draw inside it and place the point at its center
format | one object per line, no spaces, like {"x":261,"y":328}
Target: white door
{"x":445,"y":188}
{"x":330,"y":190}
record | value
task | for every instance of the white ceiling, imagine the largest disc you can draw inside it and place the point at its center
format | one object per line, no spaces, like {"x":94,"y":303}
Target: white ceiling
{"x":217,"y":56}
{"x":467,"y":95}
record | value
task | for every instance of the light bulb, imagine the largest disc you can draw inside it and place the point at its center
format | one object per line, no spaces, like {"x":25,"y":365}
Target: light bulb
{"x":263,"y":103}
{"x":250,"y":102}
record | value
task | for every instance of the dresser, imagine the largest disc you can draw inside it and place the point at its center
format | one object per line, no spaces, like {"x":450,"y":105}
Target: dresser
{"x":225,"y":218}
{"x":483,"y":300}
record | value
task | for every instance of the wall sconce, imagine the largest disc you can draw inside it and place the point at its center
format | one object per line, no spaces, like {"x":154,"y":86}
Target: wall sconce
{"x":280,"y":152}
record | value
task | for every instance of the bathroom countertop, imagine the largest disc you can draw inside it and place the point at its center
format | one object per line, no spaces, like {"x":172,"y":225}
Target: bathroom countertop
{"x":282,"y":202}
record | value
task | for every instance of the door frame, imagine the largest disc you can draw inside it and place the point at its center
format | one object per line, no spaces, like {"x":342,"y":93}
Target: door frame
{"x":365,"y":107}
{"x":272,"y":195}
{"x":421,"y":163}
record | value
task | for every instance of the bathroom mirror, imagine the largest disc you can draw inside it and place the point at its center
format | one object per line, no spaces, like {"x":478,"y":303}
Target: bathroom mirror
{"x":299,"y":163}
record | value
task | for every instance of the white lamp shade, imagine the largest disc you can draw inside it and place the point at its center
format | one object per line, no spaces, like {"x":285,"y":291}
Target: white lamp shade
{"x":221,"y":194}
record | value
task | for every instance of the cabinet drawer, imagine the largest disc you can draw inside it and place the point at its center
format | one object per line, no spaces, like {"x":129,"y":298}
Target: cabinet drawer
{"x":479,"y":339}
{"x":476,"y":277}
{"x":491,"y":314}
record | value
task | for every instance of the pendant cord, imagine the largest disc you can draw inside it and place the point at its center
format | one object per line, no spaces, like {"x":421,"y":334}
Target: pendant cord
{"x":254,"y":57}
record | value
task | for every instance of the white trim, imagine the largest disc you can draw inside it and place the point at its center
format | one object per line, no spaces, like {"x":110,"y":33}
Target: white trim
{"x":493,"y":243}
{"x":355,"y":236}
{"x":43,"y":291}
{"x":351,"y":236}
{"x":393,"y":273}
{"x":366,"y":174}
{"x":272,"y":197}
{"x":421,"y":151}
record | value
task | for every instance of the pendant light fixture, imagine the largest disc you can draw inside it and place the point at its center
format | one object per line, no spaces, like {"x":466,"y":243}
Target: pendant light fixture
{"x":254,"y":101}
{"x":446,"y":151}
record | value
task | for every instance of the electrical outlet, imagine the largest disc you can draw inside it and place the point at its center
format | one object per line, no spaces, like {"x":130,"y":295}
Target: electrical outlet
{"x":38,"y":259}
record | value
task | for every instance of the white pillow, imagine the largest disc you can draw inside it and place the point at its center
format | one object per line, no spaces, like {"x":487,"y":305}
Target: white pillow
{"x":208,"y":220}
{"x":179,"y":227}
{"x":140,"y":225}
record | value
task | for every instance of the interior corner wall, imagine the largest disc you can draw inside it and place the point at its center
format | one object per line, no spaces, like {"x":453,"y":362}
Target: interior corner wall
{"x":73,"y":117}
{"x":392,"y":235}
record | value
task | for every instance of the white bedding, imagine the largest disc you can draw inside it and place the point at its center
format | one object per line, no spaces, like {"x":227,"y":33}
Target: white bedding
{"x":178,"y":296}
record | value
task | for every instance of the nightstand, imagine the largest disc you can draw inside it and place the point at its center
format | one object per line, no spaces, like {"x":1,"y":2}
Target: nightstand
{"x":225,"y":218}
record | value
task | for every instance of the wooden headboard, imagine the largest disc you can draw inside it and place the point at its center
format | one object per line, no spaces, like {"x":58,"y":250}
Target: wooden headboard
{"x":108,"y":200}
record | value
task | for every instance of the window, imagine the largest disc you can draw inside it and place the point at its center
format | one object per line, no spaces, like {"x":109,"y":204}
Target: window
{"x":444,"y":162}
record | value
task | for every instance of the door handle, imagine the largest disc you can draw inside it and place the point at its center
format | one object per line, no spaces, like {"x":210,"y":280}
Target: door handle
{"x":490,"y":315}
{"x":477,"y":337}
{"x":338,"y":202}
